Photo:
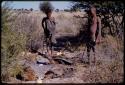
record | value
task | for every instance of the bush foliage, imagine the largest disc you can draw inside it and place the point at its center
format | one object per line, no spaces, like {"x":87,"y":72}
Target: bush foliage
{"x":12,"y":42}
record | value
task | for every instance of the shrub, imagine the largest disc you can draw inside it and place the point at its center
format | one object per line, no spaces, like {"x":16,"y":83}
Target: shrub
{"x":12,"y":41}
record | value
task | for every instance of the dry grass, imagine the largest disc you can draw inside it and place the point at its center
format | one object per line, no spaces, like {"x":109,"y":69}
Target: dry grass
{"x":109,"y":64}
{"x":30,"y":25}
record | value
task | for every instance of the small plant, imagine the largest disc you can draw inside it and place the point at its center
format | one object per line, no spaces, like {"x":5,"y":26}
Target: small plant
{"x":12,"y":42}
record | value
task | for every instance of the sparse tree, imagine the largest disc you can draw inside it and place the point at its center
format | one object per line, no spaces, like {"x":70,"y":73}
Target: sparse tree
{"x":31,"y":9}
{"x":57,"y":10}
{"x":107,"y":10}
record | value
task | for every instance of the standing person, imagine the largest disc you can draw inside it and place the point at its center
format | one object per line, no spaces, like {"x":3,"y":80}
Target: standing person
{"x":49,"y":25}
{"x":94,"y":32}
{"x":95,"y":26}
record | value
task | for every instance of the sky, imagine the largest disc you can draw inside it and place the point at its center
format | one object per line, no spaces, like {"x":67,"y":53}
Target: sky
{"x":35,"y":4}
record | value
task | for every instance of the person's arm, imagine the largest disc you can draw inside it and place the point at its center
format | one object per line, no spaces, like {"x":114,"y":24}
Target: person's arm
{"x":43,"y":23}
{"x":98,"y":40}
{"x":99,"y":20}
{"x":53,"y":19}
{"x":93,"y":27}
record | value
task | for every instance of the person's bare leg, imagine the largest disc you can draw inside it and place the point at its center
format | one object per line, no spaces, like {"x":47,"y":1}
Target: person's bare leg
{"x":50,"y":52}
{"x":43,"y":47}
{"x":47,"y":45}
{"x":93,"y":37}
{"x":50,"y":46}
{"x":88,"y":54}
{"x":94,"y":60}
{"x":93,"y":31}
